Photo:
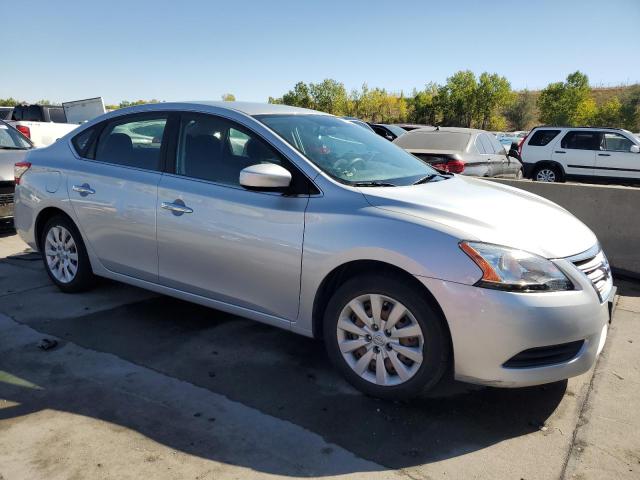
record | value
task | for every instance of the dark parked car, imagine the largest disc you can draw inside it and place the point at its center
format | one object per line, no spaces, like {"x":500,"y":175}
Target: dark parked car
{"x":410,"y":126}
{"x":390,"y":132}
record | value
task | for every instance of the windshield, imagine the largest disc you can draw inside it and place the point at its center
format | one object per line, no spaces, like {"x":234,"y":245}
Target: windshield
{"x":346,"y":151}
{"x":12,"y":139}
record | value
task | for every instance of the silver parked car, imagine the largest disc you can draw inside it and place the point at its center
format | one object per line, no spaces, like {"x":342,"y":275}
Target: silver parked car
{"x":303,"y":221}
{"x":13,"y":147}
{"x":461,"y":150}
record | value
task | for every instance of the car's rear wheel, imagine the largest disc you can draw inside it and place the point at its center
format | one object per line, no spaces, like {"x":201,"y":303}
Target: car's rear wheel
{"x":547,"y":173}
{"x":64,"y":255}
{"x":385,"y":337}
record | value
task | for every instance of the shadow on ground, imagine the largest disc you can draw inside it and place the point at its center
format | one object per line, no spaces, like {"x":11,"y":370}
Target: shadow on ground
{"x":288,"y":377}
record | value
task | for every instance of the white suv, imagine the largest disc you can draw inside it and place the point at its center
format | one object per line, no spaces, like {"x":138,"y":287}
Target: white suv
{"x":553,"y":154}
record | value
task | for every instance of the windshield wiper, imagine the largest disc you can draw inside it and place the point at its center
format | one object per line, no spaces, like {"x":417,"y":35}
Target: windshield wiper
{"x":2,"y":147}
{"x":373,"y":183}
{"x":430,"y":177}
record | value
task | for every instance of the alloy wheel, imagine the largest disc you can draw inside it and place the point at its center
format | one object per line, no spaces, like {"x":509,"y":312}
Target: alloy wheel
{"x":546,"y":175}
{"x":380,"y":339}
{"x":61,"y":253}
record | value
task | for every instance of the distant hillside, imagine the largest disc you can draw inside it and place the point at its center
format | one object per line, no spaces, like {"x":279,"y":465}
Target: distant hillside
{"x":602,"y":94}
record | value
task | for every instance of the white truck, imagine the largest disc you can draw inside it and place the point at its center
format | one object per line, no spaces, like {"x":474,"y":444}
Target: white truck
{"x":44,"y":124}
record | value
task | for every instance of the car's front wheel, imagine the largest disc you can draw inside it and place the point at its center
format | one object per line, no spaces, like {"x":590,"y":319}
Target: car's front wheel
{"x":65,"y":257}
{"x":385,"y":337}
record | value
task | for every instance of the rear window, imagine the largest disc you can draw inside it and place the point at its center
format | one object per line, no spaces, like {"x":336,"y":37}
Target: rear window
{"x":81,"y":142}
{"x":56,"y":114}
{"x":434,"y":140}
{"x":540,"y":138}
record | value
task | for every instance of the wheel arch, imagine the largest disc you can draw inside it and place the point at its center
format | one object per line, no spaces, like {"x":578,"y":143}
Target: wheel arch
{"x":346,"y":271}
{"x":43,"y":217}
{"x":548,"y":163}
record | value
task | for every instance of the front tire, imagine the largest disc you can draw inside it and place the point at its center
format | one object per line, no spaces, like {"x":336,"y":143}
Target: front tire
{"x":385,"y":337}
{"x":65,"y":256}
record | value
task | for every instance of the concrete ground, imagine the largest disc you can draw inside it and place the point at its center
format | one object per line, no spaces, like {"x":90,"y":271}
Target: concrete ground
{"x":141,"y":385}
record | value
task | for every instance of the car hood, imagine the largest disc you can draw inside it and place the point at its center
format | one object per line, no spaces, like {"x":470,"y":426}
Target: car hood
{"x":491,"y":212}
{"x":7,"y":159}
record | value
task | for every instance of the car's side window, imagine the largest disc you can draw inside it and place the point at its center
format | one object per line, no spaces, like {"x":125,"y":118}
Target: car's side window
{"x":497,"y":146}
{"x":614,"y":142}
{"x":215,"y":149}
{"x":133,"y":141}
{"x":479,"y":145}
{"x":486,"y":144}
{"x":581,"y":140}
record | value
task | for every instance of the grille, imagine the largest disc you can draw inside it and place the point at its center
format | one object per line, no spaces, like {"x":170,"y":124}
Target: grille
{"x":543,"y":356}
{"x":6,"y":199}
{"x":597,"y":269}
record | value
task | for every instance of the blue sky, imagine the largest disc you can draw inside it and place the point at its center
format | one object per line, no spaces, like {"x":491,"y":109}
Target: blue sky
{"x":188,"y":49}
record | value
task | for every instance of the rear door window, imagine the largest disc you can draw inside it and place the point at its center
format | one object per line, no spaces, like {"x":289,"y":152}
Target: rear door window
{"x":486,"y":144}
{"x":541,"y":137}
{"x":133,"y":141}
{"x":581,"y":140}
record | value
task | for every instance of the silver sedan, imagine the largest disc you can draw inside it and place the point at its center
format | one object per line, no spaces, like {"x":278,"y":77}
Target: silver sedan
{"x":306,"y":222}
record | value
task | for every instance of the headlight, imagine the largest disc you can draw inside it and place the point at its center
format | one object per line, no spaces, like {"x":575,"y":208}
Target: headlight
{"x":506,"y":268}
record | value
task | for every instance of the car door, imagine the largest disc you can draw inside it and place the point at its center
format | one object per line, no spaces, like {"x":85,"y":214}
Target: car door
{"x":616,"y":158}
{"x":488,"y":156}
{"x":577,"y":151}
{"x":219,"y":240}
{"x":113,"y":191}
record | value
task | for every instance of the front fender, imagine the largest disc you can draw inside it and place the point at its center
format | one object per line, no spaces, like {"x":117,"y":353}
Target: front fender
{"x":335,"y":236}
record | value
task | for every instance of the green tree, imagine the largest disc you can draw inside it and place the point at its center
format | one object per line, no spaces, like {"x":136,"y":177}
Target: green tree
{"x":609,"y":114}
{"x":9,"y":102}
{"x":630,"y":109}
{"x":298,"y":97}
{"x":422,"y":105}
{"x":127,"y":103}
{"x":567,"y":103}
{"x":228,"y":97}
{"x":521,"y":113}
{"x":329,"y":96}
{"x":457,"y":99}
{"x":492,"y":93}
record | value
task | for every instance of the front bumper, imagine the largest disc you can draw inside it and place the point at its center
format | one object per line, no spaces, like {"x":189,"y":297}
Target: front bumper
{"x":489,"y":327}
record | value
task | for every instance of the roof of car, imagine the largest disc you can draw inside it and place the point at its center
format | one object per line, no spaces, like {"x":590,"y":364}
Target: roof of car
{"x":447,"y":129}
{"x":249,"y":108}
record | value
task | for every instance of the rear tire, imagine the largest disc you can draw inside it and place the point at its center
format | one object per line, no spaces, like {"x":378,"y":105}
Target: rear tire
{"x":65,"y":256}
{"x":395,"y":355}
{"x":547,"y":173}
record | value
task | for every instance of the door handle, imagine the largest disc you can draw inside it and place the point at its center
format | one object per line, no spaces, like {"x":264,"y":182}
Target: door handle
{"x":83,"y":189}
{"x":559,"y":151}
{"x":604,"y":154}
{"x":176,"y":208}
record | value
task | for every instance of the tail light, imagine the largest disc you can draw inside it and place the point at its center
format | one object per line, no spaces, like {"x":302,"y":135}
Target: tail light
{"x":453,"y":166}
{"x":19,"y":169}
{"x":23,"y":129}
{"x":521,"y":144}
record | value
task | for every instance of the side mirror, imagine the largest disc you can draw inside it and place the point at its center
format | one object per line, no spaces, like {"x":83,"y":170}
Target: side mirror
{"x":265,"y":176}
{"x":635,"y":149}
